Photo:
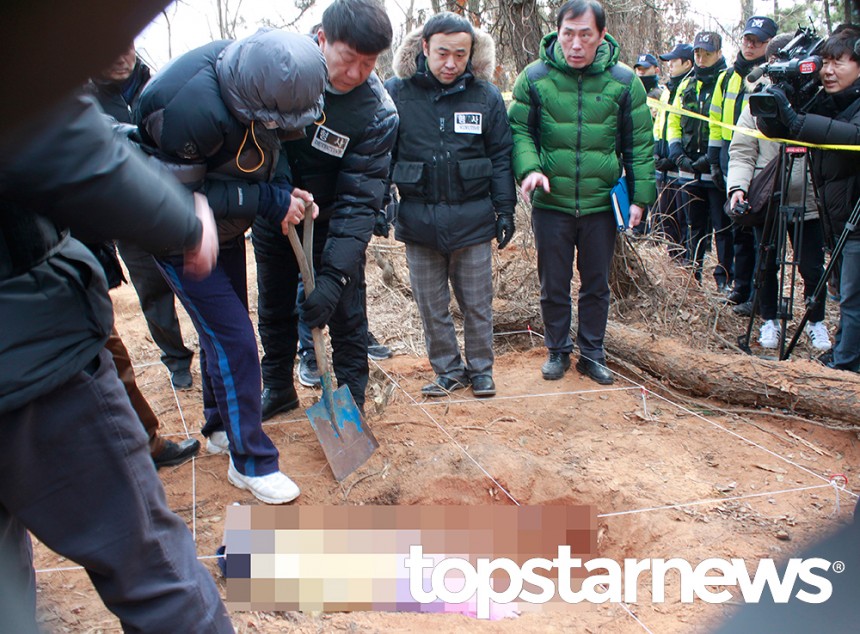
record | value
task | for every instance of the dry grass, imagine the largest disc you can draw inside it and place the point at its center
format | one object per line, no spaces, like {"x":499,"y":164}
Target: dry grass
{"x":651,"y":292}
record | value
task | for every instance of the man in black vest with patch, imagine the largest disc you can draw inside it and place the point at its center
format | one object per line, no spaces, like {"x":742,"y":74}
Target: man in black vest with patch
{"x":452,"y":169}
{"x":343,"y":161}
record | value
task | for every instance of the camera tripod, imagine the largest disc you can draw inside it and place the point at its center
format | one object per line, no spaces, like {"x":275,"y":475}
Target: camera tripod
{"x":778,"y":218}
{"x":816,"y":297}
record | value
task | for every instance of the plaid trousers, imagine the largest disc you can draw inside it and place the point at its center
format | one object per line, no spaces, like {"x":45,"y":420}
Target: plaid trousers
{"x":470,"y":271}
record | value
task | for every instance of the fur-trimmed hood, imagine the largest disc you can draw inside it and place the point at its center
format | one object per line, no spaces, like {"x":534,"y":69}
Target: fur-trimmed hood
{"x":482,"y":63}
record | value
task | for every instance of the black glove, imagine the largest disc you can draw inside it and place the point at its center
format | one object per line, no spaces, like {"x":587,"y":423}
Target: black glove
{"x":381,"y":227}
{"x":685,"y":164}
{"x":717,"y":177}
{"x":664,"y":164}
{"x":319,"y":306}
{"x":504,"y":229}
{"x":274,"y":201}
{"x":785,"y":113}
{"x":702,"y":165}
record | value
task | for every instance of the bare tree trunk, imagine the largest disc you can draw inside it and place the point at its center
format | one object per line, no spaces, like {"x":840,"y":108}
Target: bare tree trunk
{"x":169,"y":34}
{"x":519,"y":30}
{"x":221,"y":19}
{"x":747,"y":8}
{"x":827,"y":16}
{"x":800,"y":386}
{"x":409,"y":21}
{"x":228,"y":19}
{"x":476,"y":15}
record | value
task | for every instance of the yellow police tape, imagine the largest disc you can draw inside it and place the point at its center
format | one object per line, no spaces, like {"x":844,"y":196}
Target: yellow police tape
{"x":654,"y":103}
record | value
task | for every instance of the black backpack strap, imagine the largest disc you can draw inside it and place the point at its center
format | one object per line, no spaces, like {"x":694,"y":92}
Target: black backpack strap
{"x":623,"y":75}
{"x":724,"y":85}
{"x":534,"y":72}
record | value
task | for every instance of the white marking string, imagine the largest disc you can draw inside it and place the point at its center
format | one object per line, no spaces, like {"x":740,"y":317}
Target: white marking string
{"x":193,"y":461}
{"x":716,"y":500}
{"x":486,"y":401}
{"x":628,"y":610}
{"x":445,"y":431}
{"x":746,"y":440}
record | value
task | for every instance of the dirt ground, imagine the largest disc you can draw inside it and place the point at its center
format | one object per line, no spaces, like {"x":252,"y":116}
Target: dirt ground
{"x":630,"y":453}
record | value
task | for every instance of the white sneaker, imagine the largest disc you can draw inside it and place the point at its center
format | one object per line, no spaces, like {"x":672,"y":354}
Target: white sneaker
{"x":275,"y":488}
{"x":218,"y":443}
{"x":768,"y":336}
{"x":817,"y":332}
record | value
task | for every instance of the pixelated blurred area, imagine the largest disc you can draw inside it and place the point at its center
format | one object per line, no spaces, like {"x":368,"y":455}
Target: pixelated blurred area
{"x":670,"y":474}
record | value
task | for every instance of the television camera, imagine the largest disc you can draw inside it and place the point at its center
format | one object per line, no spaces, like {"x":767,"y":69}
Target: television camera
{"x":794,"y":71}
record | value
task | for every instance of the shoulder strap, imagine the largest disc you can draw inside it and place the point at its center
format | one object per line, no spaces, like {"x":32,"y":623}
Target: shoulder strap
{"x":724,"y":85}
{"x":534,"y":72}
{"x":727,"y":75}
{"x":624,"y":76}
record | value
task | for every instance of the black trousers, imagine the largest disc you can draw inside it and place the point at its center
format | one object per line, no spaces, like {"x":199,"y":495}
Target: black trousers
{"x":744,"y":244}
{"x":157,"y":302}
{"x":704,"y":208}
{"x":590,"y":239}
{"x":277,"y":282}
{"x":671,"y":221}
{"x":810,"y":265}
{"x":75,"y":470}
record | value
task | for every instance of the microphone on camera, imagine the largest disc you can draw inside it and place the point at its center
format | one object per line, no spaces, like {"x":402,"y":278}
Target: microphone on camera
{"x":756,"y":73}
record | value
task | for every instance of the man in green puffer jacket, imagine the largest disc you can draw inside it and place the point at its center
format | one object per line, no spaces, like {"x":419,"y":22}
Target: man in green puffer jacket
{"x":579,"y":119}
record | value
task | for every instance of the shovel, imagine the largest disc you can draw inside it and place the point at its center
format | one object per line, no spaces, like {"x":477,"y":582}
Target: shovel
{"x":345,"y":438}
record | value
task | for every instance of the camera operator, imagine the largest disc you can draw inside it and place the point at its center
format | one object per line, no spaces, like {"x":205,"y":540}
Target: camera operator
{"x":833,"y":118}
{"x":747,"y":156}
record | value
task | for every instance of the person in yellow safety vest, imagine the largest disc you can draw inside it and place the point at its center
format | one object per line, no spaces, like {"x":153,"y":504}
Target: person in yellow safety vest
{"x":670,"y":221}
{"x":729,"y":98}
{"x":647,"y":69}
{"x":688,"y":147}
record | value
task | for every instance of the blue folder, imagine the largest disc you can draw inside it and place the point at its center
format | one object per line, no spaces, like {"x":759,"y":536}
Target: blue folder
{"x":621,"y":204}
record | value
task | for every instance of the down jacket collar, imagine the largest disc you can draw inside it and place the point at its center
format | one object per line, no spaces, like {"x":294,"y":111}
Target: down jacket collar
{"x":274,"y":78}
{"x":482,"y":64}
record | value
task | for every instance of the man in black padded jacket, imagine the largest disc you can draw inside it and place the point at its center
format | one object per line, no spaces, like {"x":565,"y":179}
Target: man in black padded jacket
{"x":343,"y":161}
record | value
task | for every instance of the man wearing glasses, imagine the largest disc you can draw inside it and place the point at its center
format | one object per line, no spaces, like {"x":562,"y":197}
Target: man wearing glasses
{"x":726,"y":107}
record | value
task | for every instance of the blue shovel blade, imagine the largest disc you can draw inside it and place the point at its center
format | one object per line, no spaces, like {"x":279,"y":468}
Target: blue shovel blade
{"x":345,"y":438}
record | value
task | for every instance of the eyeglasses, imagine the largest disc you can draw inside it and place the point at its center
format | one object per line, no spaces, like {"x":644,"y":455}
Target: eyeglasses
{"x":753,"y":42}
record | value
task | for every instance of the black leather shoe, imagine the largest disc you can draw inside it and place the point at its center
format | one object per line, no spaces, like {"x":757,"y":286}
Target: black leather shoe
{"x":276,"y":401}
{"x":744,"y":310}
{"x":595,"y":370}
{"x":557,"y":363}
{"x":443,"y":385}
{"x":181,"y":379}
{"x":483,"y":386}
{"x":376,"y":350}
{"x":737,"y":297}
{"x":173,"y":454}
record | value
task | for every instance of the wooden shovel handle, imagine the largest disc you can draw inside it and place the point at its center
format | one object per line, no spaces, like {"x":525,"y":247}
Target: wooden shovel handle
{"x":304,"y":256}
